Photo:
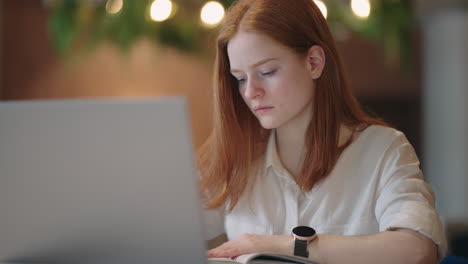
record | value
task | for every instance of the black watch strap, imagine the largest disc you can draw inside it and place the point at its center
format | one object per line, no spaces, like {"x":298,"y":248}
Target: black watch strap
{"x":300,"y":248}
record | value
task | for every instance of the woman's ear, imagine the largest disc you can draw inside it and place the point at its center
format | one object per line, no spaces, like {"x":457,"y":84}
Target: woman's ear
{"x":316,"y":61}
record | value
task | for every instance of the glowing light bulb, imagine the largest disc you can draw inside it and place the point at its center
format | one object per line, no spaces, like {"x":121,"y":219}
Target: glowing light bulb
{"x":323,"y":8}
{"x":160,"y":10}
{"x":212,"y":13}
{"x":114,"y":6}
{"x":361,"y":8}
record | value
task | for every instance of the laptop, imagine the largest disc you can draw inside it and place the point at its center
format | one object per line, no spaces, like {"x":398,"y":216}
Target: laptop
{"x":98,"y":181}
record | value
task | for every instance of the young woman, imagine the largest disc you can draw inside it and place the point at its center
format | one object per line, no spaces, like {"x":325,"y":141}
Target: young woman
{"x":291,"y":147}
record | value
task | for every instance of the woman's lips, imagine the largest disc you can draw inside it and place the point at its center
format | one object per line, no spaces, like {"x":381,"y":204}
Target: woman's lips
{"x":263,"y":109}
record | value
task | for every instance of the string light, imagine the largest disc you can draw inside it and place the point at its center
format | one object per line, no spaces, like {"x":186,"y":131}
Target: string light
{"x":114,"y":6}
{"x":361,"y":8}
{"x":212,"y":13}
{"x":160,"y":10}
{"x":323,"y":8}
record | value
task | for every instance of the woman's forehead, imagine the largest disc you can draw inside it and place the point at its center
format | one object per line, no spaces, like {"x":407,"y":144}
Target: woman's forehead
{"x":248,"y":48}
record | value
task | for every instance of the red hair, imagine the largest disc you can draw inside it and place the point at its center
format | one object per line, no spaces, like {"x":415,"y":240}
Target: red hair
{"x":231,"y":156}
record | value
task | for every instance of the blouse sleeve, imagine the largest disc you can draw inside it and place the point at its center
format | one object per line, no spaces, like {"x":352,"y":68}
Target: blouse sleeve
{"x":405,"y":200}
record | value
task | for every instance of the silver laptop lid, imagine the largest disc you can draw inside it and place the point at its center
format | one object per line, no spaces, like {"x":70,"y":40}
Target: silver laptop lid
{"x":98,"y":181}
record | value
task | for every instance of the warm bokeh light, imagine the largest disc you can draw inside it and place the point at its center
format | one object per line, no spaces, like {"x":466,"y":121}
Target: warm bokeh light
{"x":323,"y":8}
{"x":114,"y":6}
{"x":161,"y":10}
{"x":361,"y":8}
{"x":212,"y":13}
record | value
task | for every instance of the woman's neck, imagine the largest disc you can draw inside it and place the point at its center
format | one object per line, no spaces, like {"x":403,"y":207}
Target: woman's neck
{"x":290,"y":144}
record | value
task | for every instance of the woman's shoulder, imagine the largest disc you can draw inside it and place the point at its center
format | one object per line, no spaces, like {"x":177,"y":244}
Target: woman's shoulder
{"x":380,"y":130}
{"x":385,"y":134}
{"x":379,"y":138}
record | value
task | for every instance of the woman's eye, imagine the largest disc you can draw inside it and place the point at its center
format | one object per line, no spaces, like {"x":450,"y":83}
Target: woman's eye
{"x":241,"y":81}
{"x":268,"y":73}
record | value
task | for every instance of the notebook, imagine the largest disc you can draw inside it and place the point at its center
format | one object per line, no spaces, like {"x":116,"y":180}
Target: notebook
{"x":98,"y":181}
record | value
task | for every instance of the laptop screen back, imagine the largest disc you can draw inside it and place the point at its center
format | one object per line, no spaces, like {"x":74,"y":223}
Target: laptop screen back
{"x":98,"y":181}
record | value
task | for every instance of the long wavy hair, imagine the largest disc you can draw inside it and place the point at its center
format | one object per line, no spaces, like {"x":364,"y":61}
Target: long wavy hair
{"x":231,"y":156}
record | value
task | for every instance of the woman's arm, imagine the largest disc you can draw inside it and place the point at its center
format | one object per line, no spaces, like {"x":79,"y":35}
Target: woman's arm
{"x":400,"y":246}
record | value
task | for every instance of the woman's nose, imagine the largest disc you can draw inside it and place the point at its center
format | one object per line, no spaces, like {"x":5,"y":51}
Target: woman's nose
{"x":253,"y":89}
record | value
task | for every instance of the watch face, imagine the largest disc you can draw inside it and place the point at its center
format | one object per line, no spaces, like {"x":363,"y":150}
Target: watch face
{"x":303,"y":231}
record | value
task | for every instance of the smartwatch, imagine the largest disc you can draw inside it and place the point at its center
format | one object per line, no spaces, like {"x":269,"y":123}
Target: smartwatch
{"x":302,"y":235}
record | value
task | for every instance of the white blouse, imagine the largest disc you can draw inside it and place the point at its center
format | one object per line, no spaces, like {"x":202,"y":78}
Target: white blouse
{"x":376,"y":185}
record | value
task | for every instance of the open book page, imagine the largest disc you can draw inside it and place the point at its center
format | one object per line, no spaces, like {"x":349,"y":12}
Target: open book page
{"x":262,"y":258}
{"x":221,"y":261}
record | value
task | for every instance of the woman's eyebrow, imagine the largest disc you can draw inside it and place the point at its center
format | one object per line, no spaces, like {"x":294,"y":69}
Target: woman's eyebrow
{"x":256,"y":64}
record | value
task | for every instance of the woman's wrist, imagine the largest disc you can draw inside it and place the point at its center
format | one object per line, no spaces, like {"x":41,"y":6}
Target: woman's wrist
{"x":315,"y":248}
{"x":284,"y":245}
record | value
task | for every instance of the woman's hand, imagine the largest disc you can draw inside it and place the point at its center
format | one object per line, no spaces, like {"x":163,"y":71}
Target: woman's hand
{"x":251,"y":243}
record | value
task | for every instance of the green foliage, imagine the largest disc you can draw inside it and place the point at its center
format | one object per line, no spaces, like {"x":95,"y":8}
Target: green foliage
{"x":75,"y":22}
{"x":390,"y":24}
{"x":85,"y":24}
{"x":63,"y":25}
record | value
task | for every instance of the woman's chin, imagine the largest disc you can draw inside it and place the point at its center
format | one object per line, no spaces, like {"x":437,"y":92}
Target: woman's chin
{"x":268,"y":125}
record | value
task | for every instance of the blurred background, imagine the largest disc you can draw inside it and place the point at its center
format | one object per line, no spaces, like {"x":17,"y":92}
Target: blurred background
{"x":406,"y":61}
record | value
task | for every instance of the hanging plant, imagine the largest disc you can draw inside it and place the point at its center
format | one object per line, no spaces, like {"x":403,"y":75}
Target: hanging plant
{"x":86,"y":23}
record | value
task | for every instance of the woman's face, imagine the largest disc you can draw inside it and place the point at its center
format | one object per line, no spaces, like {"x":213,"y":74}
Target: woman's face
{"x":275,"y":82}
